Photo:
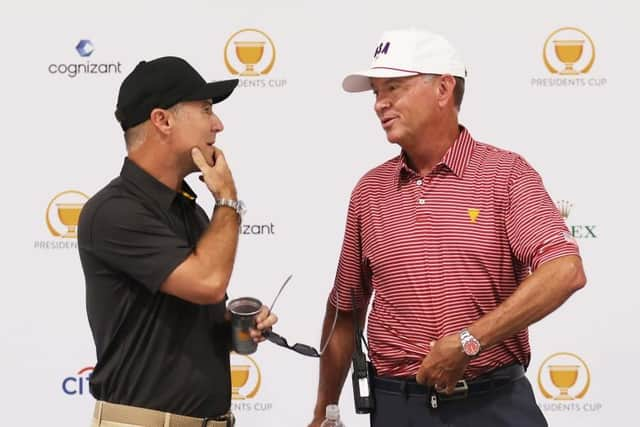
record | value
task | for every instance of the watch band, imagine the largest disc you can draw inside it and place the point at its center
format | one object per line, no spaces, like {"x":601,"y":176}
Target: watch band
{"x":233,"y":204}
{"x":236,"y":205}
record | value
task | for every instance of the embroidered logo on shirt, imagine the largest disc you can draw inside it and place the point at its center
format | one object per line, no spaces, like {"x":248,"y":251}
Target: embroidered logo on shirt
{"x":473,"y":214}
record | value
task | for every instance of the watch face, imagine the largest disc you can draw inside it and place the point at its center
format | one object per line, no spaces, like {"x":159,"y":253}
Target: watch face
{"x":471,"y":347}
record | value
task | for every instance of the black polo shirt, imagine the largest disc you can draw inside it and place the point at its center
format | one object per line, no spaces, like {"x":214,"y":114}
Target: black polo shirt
{"x":153,"y":350}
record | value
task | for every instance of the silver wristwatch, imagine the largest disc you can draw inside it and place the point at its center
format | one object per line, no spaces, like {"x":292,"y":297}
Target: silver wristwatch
{"x":470,"y":344}
{"x":236,"y":205}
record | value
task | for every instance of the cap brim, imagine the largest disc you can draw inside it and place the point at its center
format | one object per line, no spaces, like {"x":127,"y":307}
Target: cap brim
{"x":359,"y":82}
{"x":216,"y":91}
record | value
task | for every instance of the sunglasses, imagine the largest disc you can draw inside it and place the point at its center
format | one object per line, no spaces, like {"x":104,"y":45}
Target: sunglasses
{"x":304,"y":349}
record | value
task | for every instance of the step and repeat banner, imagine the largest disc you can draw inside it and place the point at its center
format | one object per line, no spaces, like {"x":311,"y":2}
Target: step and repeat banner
{"x":554,"y":82}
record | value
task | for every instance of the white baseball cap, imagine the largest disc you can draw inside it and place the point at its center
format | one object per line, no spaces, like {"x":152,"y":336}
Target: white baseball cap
{"x":408,"y":52}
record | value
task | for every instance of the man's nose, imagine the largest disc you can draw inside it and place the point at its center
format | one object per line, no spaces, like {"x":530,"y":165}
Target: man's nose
{"x":216,"y":124}
{"x":381,"y":104}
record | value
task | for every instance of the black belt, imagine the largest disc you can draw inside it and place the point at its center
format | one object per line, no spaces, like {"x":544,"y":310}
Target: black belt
{"x":481,"y":385}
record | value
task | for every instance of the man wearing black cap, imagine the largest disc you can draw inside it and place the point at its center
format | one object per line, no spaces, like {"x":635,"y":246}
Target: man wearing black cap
{"x":156,"y":268}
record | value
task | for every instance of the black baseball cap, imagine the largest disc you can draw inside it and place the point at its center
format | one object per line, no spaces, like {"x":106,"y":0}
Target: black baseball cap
{"x":162,"y":83}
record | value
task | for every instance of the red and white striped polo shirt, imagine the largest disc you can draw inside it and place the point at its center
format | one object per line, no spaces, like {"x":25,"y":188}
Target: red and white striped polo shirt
{"x":442,"y":250}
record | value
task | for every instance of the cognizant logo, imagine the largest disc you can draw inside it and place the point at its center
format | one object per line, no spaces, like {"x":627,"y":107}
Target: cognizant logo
{"x":85,"y":48}
{"x":77,"y":384}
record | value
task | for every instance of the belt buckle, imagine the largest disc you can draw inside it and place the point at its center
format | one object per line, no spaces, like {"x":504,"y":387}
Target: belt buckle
{"x":228,"y":419}
{"x":460,"y":392}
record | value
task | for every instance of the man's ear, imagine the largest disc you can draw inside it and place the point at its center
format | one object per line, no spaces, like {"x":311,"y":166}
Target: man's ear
{"x":445,"y":89}
{"x":161,"y":119}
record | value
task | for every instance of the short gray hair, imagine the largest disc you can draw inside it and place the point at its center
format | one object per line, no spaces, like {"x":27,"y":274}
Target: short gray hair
{"x":135,"y":136}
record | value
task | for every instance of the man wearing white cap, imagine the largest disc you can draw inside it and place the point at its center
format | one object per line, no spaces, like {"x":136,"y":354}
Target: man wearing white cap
{"x":461,"y":247}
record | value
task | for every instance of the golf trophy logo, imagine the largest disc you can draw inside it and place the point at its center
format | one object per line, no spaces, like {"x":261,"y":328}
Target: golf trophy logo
{"x":569,"y":51}
{"x":246,"y":377}
{"x":564,"y":376}
{"x":63,"y":213}
{"x":249,"y":53}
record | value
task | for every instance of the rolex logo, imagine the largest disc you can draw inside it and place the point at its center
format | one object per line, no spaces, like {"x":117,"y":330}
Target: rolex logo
{"x":564,"y":207}
{"x":578,"y":231}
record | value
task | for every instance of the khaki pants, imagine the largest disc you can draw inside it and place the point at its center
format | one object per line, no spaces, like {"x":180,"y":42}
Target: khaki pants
{"x":96,"y":423}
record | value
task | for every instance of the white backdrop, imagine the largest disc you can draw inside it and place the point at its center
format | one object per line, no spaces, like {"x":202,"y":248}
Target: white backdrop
{"x":297,"y":144}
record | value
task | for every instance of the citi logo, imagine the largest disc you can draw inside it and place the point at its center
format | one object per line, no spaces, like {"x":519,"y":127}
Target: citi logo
{"x":382,"y":48}
{"x":78,"y":384}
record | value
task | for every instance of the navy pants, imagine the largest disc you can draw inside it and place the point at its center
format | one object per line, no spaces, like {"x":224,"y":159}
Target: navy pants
{"x":512,"y":405}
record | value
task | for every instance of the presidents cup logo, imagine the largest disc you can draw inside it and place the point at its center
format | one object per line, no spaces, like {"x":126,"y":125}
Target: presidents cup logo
{"x":77,"y":384}
{"x":250,"y":54}
{"x":473,"y":214}
{"x":244,"y":368}
{"x":246,"y":380}
{"x":578,"y":231}
{"x":85,"y":49}
{"x":568,"y":53}
{"x":563,"y":379}
{"x":63,"y":213}
{"x":61,"y":218}
{"x":244,"y":53}
{"x":560,"y":373}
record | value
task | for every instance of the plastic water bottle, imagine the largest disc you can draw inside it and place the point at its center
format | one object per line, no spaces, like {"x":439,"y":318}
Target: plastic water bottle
{"x":332,"y":417}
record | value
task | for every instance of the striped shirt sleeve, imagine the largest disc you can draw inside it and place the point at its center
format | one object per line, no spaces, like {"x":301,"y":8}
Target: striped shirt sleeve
{"x":536,"y":231}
